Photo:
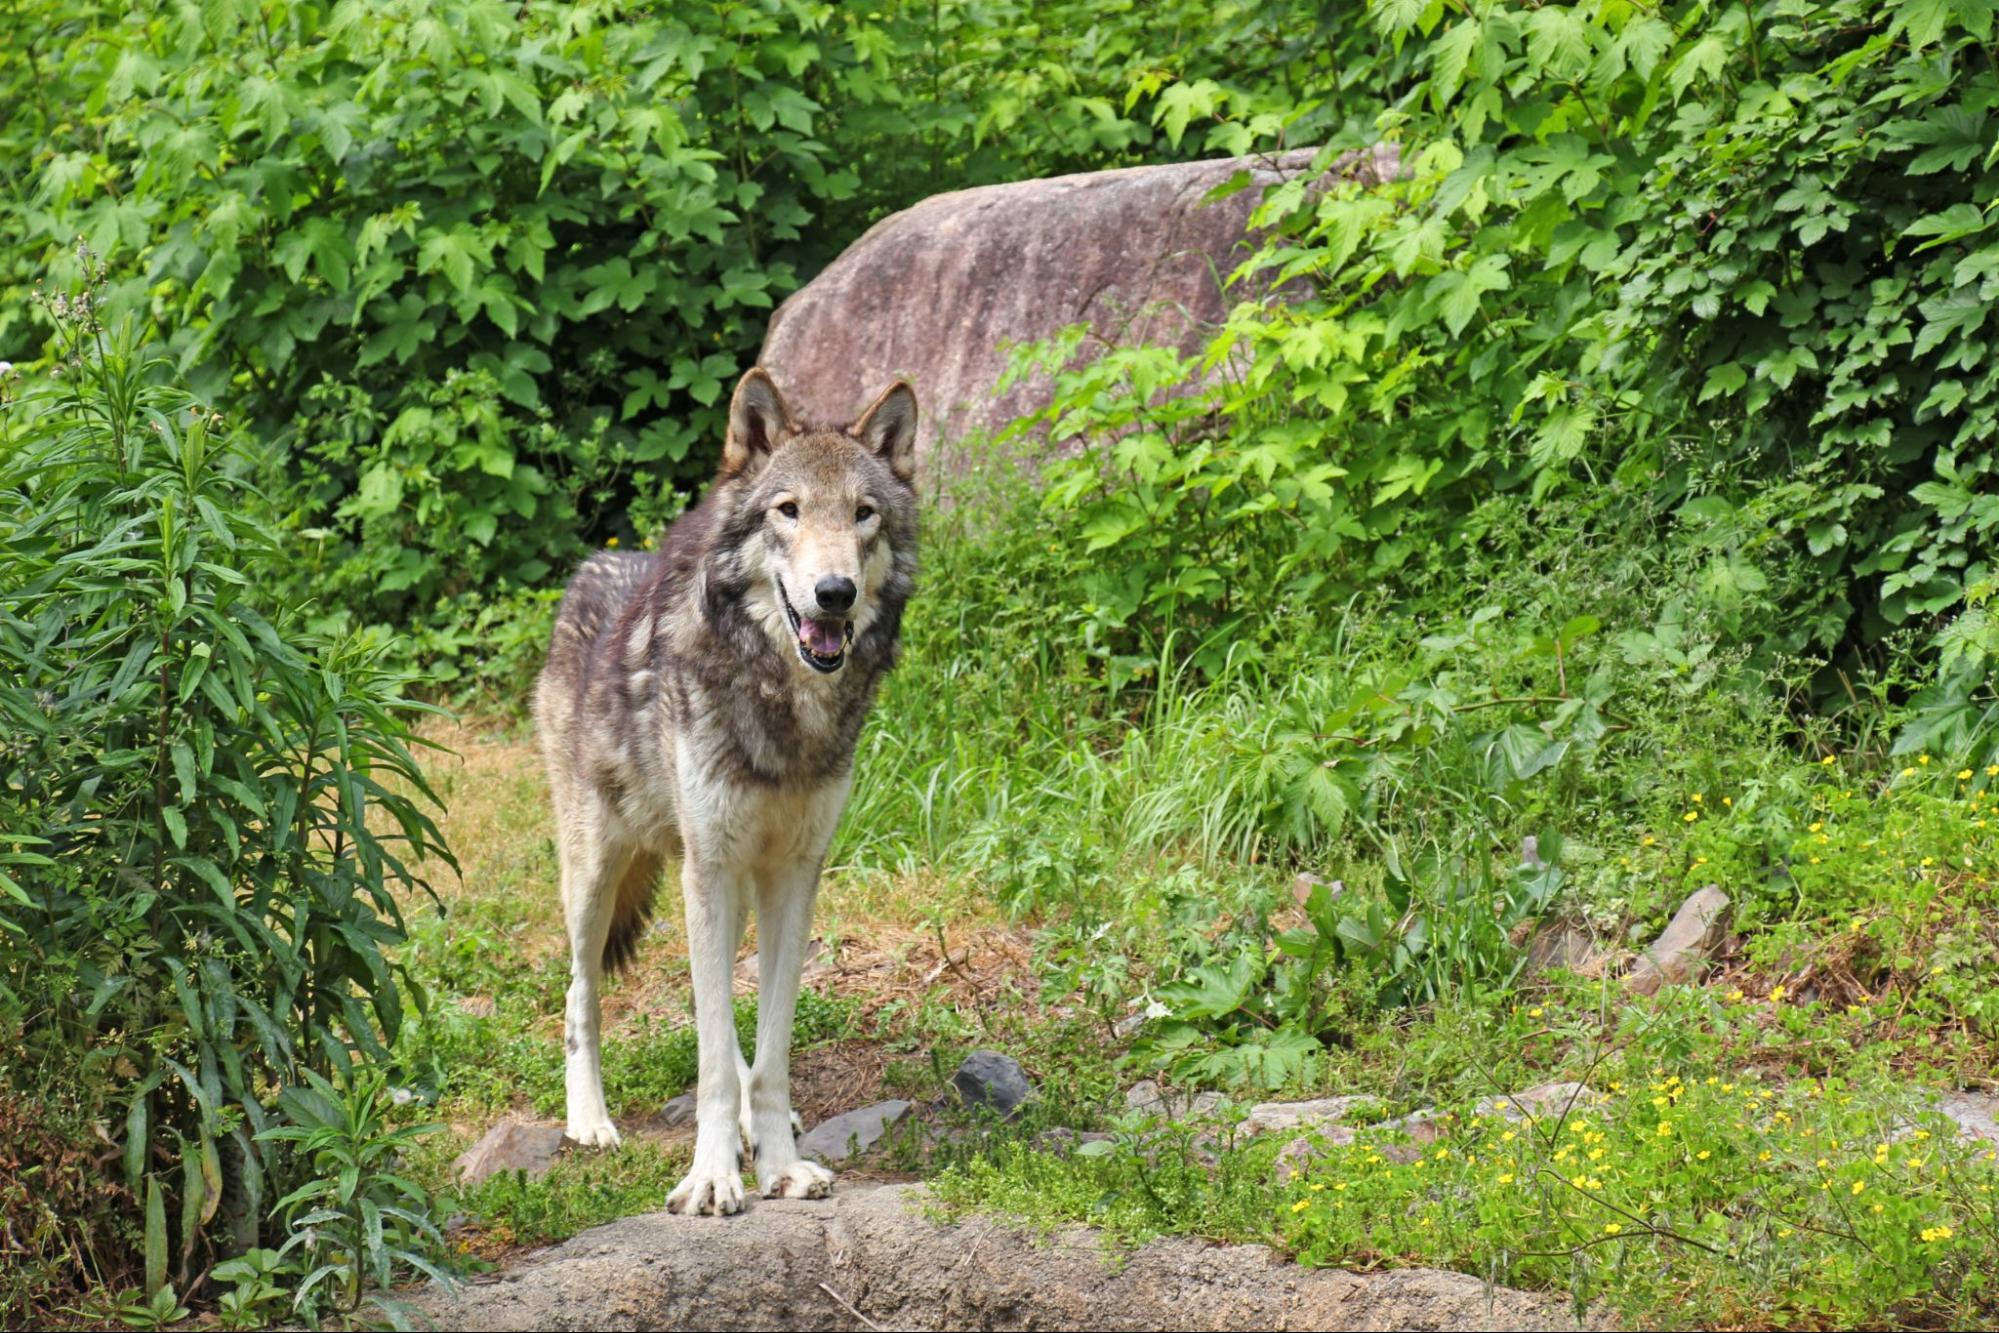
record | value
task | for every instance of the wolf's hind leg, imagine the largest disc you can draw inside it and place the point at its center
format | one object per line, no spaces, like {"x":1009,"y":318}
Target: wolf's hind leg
{"x":591,"y":873}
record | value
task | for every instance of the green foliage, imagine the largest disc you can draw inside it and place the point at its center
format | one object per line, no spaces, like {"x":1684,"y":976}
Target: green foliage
{"x":481,"y":273}
{"x":357,"y":1225}
{"x":205,"y":811}
{"x":1726,"y":268}
{"x":1717,"y":1194}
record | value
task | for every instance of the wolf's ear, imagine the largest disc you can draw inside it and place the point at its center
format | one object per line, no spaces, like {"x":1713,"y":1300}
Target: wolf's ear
{"x":889,"y":429}
{"x":758,"y":423}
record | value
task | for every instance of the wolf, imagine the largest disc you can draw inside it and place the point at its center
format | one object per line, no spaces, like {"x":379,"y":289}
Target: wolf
{"x":702,"y":703}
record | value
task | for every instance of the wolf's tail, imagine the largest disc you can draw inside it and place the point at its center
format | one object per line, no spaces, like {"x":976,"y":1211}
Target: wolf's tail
{"x":630,"y":913}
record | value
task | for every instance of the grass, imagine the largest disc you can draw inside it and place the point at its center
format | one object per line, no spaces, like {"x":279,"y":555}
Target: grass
{"x":1033,"y":865}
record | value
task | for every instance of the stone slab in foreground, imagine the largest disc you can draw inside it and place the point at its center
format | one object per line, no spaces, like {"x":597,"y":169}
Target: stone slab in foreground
{"x":873,"y":1246}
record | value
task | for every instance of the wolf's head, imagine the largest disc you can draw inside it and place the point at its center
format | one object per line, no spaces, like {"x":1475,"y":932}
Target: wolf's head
{"x":835,"y":511}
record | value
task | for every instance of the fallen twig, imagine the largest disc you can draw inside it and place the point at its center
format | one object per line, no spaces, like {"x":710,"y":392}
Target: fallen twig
{"x":848,"y":1307}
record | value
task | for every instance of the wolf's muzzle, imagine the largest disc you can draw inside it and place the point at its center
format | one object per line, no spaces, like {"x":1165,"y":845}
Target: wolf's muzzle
{"x":822,"y":640}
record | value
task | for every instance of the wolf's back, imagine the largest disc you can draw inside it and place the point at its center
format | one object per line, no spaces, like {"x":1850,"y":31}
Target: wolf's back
{"x":591,"y":604}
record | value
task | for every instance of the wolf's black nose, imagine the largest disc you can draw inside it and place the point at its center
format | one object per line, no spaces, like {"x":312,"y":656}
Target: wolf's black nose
{"x":834,"y":593}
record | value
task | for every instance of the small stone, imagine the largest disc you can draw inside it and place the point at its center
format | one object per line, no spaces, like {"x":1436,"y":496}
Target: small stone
{"x":1147,"y":1097}
{"x":511,"y":1145}
{"x":1129,"y":1024}
{"x":1530,"y":853}
{"x":678,"y":1113}
{"x":851,"y":1133}
{"x":1064,"y":1141}
{"x":1560,"y":945}
{"x":1302,"y":1117}
{"x":1300,"y":1157}
{"x":1544,"y":1099}
{"x":992,"y":1080}
{"x":1683,"y":945}
{"x":1975,"y":1115}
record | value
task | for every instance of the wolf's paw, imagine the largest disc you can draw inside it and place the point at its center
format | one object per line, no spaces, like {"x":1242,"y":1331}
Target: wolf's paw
{"x":595,"y":1132}
{"x":748,"y":1156}
{"x":719,"y":1194}
{"x":800,"y":1180}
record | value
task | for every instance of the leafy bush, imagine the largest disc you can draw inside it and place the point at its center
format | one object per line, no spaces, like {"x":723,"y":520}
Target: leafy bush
{"x":205,"y":810}
{"x":1725,"y":268}
{"x":480,"y":272}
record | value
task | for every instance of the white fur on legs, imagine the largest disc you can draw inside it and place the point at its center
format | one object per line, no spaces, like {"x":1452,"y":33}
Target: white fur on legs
{"x":714,"y":1183}
{"x":784,"y":922}
{"x":588,"y":891}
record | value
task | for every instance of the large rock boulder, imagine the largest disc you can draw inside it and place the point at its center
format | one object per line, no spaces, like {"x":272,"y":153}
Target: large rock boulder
{"x":933,"y":293}
{"x":873,"y":1257}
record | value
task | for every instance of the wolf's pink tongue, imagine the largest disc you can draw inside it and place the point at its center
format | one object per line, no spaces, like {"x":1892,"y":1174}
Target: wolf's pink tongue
{"x":824,"y":637}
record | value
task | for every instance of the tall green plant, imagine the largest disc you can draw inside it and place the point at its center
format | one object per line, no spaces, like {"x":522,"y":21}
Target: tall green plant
{"x":205,"y":811}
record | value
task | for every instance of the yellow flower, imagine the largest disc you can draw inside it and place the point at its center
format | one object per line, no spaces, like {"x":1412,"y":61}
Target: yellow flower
{"x":1301,"y":1205}
{"x":1763,"y":1156}
{"x":1647,"y":841}
{"x":1506,"y":1177}
{"x":611,"y":542}
{"x":1596,"y":1154}
{"x":1880,"y":1208}
{"x":1823,"y":1163}
{"x":1691,"y":815}
{"x":1507,"y":1137}
{"x":1665,"y":1130}
{"x":1535,"y":1012}
{"x":1339,"y":1187}
{"x":1964,"y":775}
{"x":1777,"y":994}
{"x":1728,"y":800}
{"x":1786,"y":1232}
{"x":1908,"y":772}
{"x":1697,"y":798}
{"x":1931,"y":1235}
{"x":1992,"y":770}
{"x":1830,"y":759}
{"x":1922,"y":759}
{"x":1859,"y":1186}
{"x":1612,"y":1228}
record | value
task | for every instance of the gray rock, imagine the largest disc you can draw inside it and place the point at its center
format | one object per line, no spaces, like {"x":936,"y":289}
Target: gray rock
{"x":851,"y":1133}
{"x":935,"y":292}
{"x":1975,"y":1114}
{"x":511,"y":1145}
{"x":1560,"y":945}
{"x":1064,"y":1141}
{"x":1543,"y":1099}
{"x":1303,"y":1117}
{"x":678,"y":1113}
{"x":994,"y":1081}
{"x":1300,"y":1157}
{"x":1683,"y":945}
{"x":1147,"y":1097}
{"x":792,"y":1264}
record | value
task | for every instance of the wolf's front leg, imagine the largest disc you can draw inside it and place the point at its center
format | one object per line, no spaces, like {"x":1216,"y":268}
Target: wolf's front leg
{"x":712,"y":889}
{"x":784,"y":924}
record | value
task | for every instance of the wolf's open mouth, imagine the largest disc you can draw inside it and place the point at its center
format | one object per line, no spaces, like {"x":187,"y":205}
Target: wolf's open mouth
{"x":822,"y":644}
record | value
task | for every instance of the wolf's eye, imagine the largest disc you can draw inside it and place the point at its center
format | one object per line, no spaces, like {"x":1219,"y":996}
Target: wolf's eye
{"x":789,"y":509}
{"x":864,"y":513}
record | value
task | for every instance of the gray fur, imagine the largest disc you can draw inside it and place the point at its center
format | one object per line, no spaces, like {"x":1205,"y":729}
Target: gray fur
{"x":677,"y":706}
